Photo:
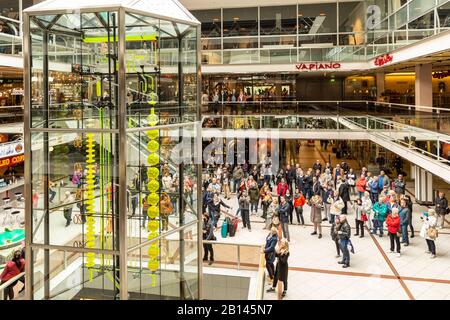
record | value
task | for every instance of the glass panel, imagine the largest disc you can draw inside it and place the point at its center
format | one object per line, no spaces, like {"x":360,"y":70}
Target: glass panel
{"x":166,"y":269}
{"x":212,"y":57}
{"x":425,"y":22}
{"x":278,"y":42}
{"x":240,"y":22}
{"x":64,"y":157}
{"x":71,"y":279}
{"x":418,"y":7}
{"x":10,"y":9}
{"x":352,"y":23}
{"x":211,"y":22}
{"x":317,"y":18}
{"x":211,"y":44}
{"x":240,"y":56}
{"x":278,"y":20}
{"x":240,"y":43}
{"x":78,"y":82}
{"x":279,"y":56}
{"x":401,"y":17}
{"x":321,"y":40}
{"x":443,"y":12}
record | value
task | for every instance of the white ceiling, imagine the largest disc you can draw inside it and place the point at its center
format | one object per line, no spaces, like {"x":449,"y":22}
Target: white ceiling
{"x":214,"y":4}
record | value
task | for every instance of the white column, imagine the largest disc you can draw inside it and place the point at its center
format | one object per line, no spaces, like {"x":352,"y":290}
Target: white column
{"x":380,"y":84}
{"x":424,"y":88}
{"x":423,"y":183}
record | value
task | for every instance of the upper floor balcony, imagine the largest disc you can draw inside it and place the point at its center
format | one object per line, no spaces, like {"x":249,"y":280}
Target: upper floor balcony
{"x":344,"y":31}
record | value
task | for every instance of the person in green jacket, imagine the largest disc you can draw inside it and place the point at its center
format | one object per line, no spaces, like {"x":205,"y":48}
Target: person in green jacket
{"x":380,"y":212}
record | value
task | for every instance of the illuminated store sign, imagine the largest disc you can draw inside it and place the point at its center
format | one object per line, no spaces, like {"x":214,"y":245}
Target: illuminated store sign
{"x":318,"y":66}
{"x":78,"y":68}
{"x":17,"y":92}
{"x":382,"y":60}
{"x":11,"y":161}
{"x":11,"y":149}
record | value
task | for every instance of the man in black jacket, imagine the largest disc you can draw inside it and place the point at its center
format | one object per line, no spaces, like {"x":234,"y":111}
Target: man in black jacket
{"x":399,"y":186}
{"x":290,"y":176}
{"x":441,"y":208}
{"x":317,"y":166}
{"x":344,"y":231}
{"x":208,"y":234}
{"x":283,"y":212}
{"x":344,"y":193}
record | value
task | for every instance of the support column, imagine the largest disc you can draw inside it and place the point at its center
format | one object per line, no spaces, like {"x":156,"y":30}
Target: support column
{"x":423,"y":184}
{"x":380,"y":85}
{"x":423,"y":87}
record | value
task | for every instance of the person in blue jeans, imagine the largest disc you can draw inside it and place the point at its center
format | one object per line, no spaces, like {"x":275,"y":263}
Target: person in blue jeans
{"x":380,"y":212}
{"x":405,"y":218}
{"x":51,"y":191}
{"x":373,"y":185}
{"x":343,"y":232}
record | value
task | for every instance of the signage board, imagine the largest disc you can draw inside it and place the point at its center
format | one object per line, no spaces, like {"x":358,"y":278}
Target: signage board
{"x":11,"y":149}
{"x":318,"y":66}
{"x":384,"y":59}
{"x":12,"y":161}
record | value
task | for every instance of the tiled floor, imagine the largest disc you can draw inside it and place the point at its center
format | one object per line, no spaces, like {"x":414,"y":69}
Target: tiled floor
{"x":374,"y":273}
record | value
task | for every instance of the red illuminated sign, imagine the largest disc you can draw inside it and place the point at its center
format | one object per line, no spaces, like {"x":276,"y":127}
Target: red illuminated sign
{"x":318,"y":66}
{"x":382,"y":60}
{"x":12,"y":161}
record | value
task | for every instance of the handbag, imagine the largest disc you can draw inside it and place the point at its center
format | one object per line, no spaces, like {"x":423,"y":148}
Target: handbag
{"x":275,"y":220}
{"x":364,"y":217}
{"x":432,"y":233}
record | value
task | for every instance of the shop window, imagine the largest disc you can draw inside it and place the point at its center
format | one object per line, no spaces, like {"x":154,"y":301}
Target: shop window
{"x":240,"y":22}
{"x":278,"y":20}
{"x":317,"y":18}
{"x":211,"y":22}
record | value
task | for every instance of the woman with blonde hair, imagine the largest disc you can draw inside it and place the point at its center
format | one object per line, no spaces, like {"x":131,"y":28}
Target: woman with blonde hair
{"x":429,"y":231}
{"x":281,"y":270}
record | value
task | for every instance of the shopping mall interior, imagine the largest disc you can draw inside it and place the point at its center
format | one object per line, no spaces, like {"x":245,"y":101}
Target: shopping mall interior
{"x":211,"y":150}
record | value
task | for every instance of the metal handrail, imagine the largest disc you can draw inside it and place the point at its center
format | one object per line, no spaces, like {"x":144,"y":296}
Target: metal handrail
{"x":337,"y":102}
{"x":9,"y":282}
{"x":261,"y":277}
{"x":238,"y":248}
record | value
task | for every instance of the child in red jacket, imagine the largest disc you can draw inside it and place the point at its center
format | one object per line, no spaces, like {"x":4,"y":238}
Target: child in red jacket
{"x":393,"y":224}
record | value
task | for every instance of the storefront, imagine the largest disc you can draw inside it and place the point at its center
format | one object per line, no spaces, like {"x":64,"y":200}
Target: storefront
{"x":11,"y":92}
{"x":292,"y":86}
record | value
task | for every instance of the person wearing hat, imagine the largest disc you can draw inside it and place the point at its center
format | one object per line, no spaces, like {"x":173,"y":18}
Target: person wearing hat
{"x":68,"y":202}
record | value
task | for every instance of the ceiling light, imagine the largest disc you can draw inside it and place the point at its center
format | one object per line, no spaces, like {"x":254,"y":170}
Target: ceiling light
{"x":236,"y":18}
{"x":322,"y":14}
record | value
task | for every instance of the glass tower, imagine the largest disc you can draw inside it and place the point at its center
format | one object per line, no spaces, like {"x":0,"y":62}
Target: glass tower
{"x":112,"y":178}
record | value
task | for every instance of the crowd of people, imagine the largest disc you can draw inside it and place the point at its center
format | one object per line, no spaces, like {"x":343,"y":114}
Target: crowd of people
{"x":378,"y":204}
